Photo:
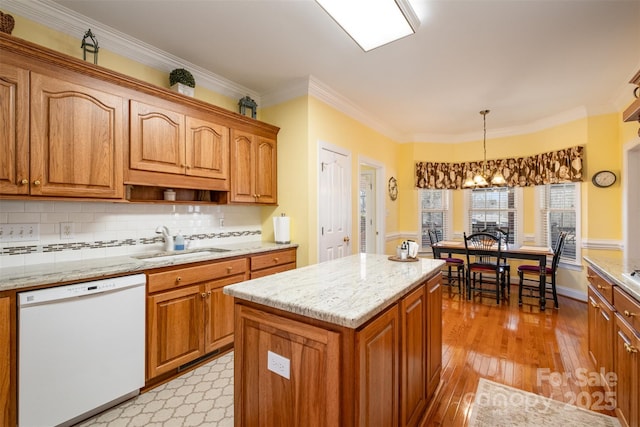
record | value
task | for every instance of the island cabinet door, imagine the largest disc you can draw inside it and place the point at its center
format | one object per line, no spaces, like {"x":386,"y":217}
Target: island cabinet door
{"x":434,"y":334}
{"x":413,"y":318}
{"x":287,"y":373}
{"x":377,"y":371}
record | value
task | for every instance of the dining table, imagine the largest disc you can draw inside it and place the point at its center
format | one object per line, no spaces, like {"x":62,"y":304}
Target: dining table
{"x":446,"y":248}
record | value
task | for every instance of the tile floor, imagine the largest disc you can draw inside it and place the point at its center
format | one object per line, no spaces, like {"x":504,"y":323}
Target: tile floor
{"x":200,"y":398}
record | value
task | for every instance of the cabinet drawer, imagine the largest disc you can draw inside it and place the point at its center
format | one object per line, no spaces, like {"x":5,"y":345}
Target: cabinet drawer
{"x":188,"y":275}
{"x":600,"y":284}
{"x":628,"y":308}
{"x":272,"y":259}
{"x":273,"y":270}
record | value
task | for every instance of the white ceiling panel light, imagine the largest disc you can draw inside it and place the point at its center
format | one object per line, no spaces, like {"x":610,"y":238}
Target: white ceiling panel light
{"x":373,"y":23}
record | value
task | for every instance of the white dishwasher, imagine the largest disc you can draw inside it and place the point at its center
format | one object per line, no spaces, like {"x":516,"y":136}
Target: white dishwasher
{"x":80,"y":349}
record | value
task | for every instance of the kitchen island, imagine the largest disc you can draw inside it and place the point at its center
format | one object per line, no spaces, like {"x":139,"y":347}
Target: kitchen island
{"x":353,"y":341}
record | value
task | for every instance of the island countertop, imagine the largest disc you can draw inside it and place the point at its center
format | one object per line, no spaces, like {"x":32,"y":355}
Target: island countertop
{"x":347,"y":291}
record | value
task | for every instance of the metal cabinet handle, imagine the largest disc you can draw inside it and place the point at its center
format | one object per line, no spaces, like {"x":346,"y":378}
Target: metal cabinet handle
{"x":594,"y":304}
{"x":276,"y":259}
{"x":229,"y":268}
{"x":204,"y":295}
{"x":208,"y":293}
{"x":629,"y":314}
{"x":24,"y":181}
{"x":178,"y":279}
{"x":36,"y":182}
{"x":629,"y":348}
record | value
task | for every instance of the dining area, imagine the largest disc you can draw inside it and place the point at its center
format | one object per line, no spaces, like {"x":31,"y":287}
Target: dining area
{"x":479,"y":265}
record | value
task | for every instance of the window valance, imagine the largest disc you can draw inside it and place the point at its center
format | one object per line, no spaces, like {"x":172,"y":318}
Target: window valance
{"x":547,"y":168}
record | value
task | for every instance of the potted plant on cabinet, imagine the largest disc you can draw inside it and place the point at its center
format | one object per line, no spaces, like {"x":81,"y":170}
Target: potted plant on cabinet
{"x":182,"y":81}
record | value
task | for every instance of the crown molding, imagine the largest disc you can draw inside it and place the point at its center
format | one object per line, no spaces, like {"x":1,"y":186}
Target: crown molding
{"x":59,"y":18}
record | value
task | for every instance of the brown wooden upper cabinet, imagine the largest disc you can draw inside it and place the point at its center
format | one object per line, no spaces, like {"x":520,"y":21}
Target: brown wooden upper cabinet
{"x":253,"y":168}
{"x":167,"y":145}
{"x":72,"y":144}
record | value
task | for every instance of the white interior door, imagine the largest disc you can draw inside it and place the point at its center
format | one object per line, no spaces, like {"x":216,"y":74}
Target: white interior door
{"x":367,"y":211}
{"x":334,"y":203}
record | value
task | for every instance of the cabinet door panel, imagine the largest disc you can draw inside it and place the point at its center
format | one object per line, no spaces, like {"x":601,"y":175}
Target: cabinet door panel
{"x":627,"y":362}
{"x":174,"y":329}
{"x":207,"y":149}
{"x":266,"y":173}
{"x":76,"y":140}
{"x":219,"y":314}
{"x":309,"y":397}
{"x":434,"y":336}
{"x":242,"y":167}
{"x":14,"y":130}
{"x":157,"y":139}
{"x":413,"y":309}
{"x":377,"y":371}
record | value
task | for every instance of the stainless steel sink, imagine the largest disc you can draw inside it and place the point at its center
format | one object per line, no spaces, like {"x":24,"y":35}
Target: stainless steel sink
{"x":168,"y":256}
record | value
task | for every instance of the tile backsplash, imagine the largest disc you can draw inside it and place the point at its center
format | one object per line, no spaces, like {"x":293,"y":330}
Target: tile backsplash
{"x":102,"y":229}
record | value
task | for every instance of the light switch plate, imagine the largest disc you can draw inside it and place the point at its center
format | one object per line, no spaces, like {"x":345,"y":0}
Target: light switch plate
{"x":278,"y":364}
{"x":19,"y":232}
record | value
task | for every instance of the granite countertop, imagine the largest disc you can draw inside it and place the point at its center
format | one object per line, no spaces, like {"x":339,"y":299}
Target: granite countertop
{"x":15,"y":278}
{"x":612,"y":269}
{"x":347,"y":291}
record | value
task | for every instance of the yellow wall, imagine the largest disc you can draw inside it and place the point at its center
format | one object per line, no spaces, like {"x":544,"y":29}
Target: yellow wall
{"x":44,"y":36}
{"x":293,"y":176}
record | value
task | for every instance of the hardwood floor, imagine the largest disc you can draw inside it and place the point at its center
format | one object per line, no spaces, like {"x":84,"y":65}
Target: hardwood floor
{"x":540,"y":352}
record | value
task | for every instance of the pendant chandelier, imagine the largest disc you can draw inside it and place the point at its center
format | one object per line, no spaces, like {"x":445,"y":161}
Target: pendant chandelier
{"x":480,"y":179}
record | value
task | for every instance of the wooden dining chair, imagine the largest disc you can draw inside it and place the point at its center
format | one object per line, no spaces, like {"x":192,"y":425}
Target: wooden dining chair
{"x":450,"y":265}
{"x":503,"y":235}
{"x":530,"y":274}
{"x":484,"y":264}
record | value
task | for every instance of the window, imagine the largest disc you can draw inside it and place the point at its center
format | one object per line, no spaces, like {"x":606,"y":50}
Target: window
{"x":497,"y":207}
{"x":434,"y":214}
{"x":559,"y":211}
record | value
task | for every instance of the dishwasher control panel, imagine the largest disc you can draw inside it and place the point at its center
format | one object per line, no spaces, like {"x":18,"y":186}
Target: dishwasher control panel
{"x":79,"y":289}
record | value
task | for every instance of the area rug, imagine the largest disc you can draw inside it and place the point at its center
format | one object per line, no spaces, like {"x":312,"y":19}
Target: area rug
{"x":498,"y":405}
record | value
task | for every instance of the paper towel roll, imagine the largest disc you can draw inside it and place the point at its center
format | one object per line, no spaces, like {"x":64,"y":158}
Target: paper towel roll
{"x":281,"y":229}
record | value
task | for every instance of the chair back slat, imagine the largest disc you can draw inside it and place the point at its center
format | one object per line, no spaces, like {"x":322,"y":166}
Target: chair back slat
{"x":486,"y":248}
{"x":557,"y":253}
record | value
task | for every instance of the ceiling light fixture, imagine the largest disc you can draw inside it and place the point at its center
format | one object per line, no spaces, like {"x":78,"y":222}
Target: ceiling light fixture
{"x":480,"y":180}
{"x":373,"y":23}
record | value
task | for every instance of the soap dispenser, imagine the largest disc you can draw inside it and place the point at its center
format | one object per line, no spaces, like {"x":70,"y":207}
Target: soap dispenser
{"x":179,"y":242}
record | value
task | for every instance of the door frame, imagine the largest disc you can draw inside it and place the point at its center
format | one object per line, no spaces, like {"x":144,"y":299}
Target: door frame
{"x":630,"y":197}
{"x":323,"y":145}
{"x":380,"y":200}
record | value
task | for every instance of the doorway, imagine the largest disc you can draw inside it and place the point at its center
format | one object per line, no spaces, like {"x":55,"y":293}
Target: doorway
{"x":631,"y":199}
{"x":334,"y":202}
{"x":371,"y":201}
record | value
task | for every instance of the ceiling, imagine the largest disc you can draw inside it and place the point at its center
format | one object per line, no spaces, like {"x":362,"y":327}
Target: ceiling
{"x":525,"y":60}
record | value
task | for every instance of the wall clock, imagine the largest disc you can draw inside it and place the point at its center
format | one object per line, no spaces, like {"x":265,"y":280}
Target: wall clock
{"x":603,"y":179}
{"x":393,"y":188}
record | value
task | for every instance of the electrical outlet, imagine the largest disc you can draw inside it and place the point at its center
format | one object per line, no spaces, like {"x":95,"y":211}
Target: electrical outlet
{"x":19,"y":232}
{"x":278,"y":364}
{"x":66,"y":230}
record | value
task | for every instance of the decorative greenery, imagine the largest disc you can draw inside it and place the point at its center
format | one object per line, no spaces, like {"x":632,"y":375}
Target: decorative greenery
{"x":180,"y":75}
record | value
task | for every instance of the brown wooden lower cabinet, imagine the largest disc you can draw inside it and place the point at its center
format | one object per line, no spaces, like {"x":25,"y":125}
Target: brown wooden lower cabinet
{"x":614,"y":343}
{"x":7,"y":391}
{"x":627,"y":358}
{"x":193,"y":317}
{"x":384,"y":373}
{"x":601,"y":333}
{"x":273,"y":262}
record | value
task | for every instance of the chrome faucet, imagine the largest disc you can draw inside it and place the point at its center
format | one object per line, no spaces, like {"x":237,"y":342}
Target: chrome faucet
{"x":168,"y":238}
